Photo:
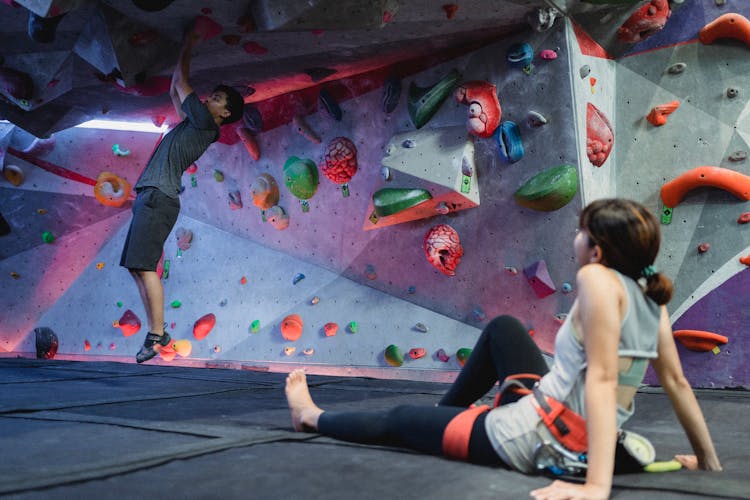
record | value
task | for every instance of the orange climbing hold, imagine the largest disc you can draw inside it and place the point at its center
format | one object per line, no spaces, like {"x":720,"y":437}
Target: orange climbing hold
{"x":745,"y":260}
{"x":183,"y":347}
{"x":699,"y":340}
{"x":203,"y":326}
{"x":111,"y":190}
{"x":251,"y":144}
{"x":658,"y":115}
{"x":736,"y":183}
{"x":729,"y":25}
{"x":291,"y":327}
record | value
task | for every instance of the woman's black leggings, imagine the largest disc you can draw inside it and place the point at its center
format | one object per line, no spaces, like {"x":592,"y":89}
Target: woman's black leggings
{"x":504,"y":348}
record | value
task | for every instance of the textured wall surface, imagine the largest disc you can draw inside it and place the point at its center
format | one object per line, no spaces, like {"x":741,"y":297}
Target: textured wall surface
{"x":380,"y":278}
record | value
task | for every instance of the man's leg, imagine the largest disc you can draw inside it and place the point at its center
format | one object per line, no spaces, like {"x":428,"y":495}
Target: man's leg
{"x":152,"y":295}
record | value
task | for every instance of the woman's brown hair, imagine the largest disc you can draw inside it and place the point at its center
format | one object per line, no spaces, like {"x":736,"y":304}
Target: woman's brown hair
{"x":629,"y":236}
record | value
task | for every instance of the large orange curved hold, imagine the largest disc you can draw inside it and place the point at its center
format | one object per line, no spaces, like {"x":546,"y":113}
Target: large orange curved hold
{"x":729,"y":25}
{"x":736,"y":183}
{"x":111,"y":190}
{"x":699,"y":340}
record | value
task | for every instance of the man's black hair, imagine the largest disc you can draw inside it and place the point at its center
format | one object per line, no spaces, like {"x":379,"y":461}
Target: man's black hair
{"x":235,"y":103}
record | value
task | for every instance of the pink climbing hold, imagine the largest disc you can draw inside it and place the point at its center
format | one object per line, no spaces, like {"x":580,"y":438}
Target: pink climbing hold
{"x":254,"y":48}
{"x":129,"y":323}
{"x":339,"y":160}
{"x":417,"y":352}
{"x":206,"y":27}
{"x":442,"y":355}
{"x":548,"y":54}
{"x":599,"y":136}
{"x":203,"y":326}
{"x":539,"y":279}
{"x":744,"y":218}
{"x":443,"y":249}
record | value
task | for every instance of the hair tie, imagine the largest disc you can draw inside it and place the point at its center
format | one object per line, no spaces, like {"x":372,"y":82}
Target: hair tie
{"x":648,"y":271}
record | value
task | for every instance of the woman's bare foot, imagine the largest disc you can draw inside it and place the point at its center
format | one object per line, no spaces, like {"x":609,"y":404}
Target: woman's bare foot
{"x":304,"y":411}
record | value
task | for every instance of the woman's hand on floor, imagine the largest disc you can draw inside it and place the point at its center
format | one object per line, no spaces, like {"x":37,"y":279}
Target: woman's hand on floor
{"x":561,"y":490}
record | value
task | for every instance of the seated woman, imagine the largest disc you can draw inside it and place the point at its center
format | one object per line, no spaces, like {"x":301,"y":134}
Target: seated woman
{"x":616,"y":325}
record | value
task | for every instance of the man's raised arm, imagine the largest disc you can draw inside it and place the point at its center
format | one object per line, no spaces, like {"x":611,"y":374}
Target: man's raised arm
{"x":180,"y":87}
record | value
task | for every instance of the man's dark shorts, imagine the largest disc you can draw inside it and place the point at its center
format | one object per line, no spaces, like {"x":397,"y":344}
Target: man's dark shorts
{"x":154,"y":216}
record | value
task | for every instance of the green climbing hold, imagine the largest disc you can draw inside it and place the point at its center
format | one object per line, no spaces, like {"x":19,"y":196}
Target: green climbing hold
{"x":463,"y":354}
{"x":393,"y":355}
{"x":119,"y":303}
{"x":353,"y":327}
{"x":301,"y":177}
{"x":48,"y":237}
{"x":389,"y":201}
{"x":423,"y":103}
{"x":219,"y":175}
{"x":176,"y":304}
{"x":549,"y":190}
{"x":255,"y":326}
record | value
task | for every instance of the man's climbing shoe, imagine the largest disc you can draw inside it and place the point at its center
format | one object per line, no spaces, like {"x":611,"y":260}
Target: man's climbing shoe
{"x":147,"y":350}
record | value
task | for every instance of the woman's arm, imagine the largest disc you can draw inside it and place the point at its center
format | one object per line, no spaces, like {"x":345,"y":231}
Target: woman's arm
{"x":600,"y":299}
{"x":669,"y":370}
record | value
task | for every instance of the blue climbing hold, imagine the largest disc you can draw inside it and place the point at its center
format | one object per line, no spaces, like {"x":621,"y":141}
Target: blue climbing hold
{"x":297,"y":278}
{"x":520,"y":55}
{"x":508,"y":138}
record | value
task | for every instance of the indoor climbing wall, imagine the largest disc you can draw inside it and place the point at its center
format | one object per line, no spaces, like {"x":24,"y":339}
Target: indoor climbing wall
{"x":332,"y":264}
{"x":682,"y":104}
{"x":312,"y":233}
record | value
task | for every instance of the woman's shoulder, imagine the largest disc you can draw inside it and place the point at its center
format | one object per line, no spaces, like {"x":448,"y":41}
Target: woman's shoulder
{"x":595,"y":272}
{"x":597,"y":276}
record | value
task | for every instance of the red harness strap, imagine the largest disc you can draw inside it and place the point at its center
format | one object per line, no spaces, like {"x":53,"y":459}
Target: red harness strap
{"x":568,"y":427}
{"x":458,"y":432}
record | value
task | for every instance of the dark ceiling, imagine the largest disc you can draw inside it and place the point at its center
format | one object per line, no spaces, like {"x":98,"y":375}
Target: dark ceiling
{"x":263,"y":48}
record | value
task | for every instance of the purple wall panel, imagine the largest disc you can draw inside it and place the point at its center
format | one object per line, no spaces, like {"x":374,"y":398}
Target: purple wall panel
{"x":724,"y":311}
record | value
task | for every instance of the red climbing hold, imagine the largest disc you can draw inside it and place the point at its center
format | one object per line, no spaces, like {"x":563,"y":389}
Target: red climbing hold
{"x":699,"y":340}
{"x":203,"y":326}
{"x":291,"y":327}
{"x":129,"y":323}
{"x":417,"y":352}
